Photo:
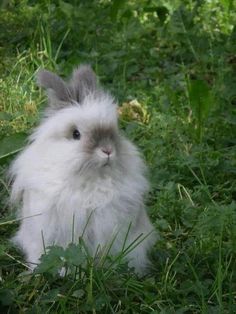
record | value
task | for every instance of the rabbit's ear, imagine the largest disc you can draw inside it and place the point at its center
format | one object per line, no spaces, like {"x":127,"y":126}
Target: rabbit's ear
{"x":58,"y":90}
{"x":83,"y":82}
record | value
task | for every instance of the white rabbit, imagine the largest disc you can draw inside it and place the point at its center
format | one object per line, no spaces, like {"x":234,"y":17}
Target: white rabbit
{"x":78,"y":172}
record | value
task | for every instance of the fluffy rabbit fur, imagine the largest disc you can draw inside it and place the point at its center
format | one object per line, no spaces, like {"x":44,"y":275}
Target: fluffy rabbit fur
{"x":78,"y":167}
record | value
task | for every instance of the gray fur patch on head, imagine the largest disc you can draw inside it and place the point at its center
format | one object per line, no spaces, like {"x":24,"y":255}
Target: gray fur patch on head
{"x":102,"y":136}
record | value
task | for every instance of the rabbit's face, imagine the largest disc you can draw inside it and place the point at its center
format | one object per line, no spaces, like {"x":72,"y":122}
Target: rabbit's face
{"x":82,"y":138}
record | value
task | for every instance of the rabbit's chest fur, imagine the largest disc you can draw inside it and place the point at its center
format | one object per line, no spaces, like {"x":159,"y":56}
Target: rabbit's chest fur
{"x":95,"y":209}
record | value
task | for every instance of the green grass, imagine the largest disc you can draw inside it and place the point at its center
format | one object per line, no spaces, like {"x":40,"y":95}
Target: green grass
{"x":171,"y":65}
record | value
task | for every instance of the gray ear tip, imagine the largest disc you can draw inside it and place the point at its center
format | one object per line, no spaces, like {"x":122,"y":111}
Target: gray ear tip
{"x":84,"y":67}
{"x":84,"y":70}
{"x":41,"y":75}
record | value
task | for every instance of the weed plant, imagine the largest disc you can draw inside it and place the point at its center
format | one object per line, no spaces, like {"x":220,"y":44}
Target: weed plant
{"x":171,"y":65}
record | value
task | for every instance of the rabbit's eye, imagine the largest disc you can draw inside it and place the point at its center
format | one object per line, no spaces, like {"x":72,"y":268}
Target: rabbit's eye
{"x":76,"y":135}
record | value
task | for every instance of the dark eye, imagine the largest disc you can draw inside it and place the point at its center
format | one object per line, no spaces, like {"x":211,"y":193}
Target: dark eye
{"x":76,"y":135}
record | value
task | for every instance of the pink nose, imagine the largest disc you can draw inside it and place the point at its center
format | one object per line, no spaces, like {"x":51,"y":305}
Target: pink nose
{"x":107,"y":151}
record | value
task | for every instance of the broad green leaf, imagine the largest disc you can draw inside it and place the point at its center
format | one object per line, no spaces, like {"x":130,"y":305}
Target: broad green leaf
{"x":2,"y":249}
{"x":74,"y":255}
{"x":201,"y":98}
{"x":51,"y":295}
{"x":78,"y":293}
{"x":6,"y":297}
{"x":11,"y":144}
{"x":52,"y":261}
{"x":226,"y":3}
{"x":116,"y":6}
{"x":5,"y":116}
{"x":66,"y":8}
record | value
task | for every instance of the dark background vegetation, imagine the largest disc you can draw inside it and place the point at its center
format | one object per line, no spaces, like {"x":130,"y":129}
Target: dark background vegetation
{"x":171,"y":65}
